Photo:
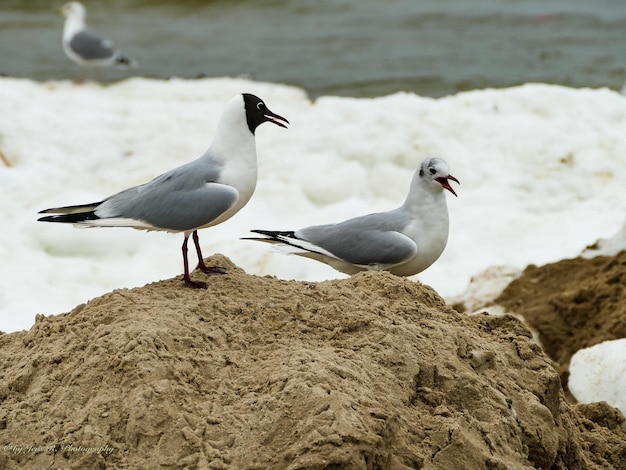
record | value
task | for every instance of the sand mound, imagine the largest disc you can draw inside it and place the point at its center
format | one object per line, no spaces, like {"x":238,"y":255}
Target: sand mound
{"x":572,"y":304}
{"x":372,"y":372}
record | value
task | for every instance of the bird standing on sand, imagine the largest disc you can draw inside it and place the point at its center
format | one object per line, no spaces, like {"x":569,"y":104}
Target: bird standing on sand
{"x":86,"y":47}
{"x":199,"y":194}
{"x":404,"y":241}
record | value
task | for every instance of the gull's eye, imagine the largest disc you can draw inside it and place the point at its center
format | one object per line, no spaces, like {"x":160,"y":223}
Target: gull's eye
{"x":260,"y":106}
{"x":432,"y":171}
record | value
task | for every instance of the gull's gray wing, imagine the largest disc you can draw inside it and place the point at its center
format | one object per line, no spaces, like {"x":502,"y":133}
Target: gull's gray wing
{"x":373,"y":239}
{"x":90,"y":45}
{"x":182,"y":199}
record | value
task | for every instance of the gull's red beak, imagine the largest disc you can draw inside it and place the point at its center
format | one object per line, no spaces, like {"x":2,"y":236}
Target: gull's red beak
{"x":275,"y":118}
{"x":446,"y":184}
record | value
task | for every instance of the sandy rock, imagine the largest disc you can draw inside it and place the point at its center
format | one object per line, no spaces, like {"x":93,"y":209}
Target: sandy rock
{"x":371,"y":372}
{"x":572,"y":304}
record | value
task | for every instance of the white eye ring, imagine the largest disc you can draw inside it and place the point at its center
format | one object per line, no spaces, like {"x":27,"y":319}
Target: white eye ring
{"x":260,"y":105}
{"x":432,"y":171}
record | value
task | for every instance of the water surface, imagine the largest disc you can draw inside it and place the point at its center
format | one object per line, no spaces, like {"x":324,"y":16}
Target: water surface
{"x":341,"y":47}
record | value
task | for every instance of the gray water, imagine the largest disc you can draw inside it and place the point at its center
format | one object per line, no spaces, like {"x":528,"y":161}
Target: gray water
{"x":339,"y":47}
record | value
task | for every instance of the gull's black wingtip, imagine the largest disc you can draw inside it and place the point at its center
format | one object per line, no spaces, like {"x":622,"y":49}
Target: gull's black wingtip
{"x":275,"y":233}
{"x":69,"y":218}
{"x":268,"y":236}
{"x":71,"y":213}
{"x":271,"y":236}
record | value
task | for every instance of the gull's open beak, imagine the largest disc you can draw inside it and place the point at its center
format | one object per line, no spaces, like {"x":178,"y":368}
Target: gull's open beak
{"x":275,"y":118}
{"x":446,"y":184}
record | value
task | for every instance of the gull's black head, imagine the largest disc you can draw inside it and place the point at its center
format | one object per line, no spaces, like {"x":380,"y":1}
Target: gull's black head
{"x":257,"y":113}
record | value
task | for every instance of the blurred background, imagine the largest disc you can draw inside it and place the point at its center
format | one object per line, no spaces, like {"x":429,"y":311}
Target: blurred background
{"x":337,"y":47}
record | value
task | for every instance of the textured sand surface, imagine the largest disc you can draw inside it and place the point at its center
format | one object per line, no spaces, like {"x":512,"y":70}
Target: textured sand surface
{"x":371,"y":372}
{"x":573,"y":304}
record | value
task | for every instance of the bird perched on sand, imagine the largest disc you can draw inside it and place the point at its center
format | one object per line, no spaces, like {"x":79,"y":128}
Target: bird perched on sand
{"x":86,"y":47}
{"x":199,"y":194}
{"x":404,"y":241}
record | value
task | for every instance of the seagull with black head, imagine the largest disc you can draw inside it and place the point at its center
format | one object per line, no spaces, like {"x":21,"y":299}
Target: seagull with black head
{"x":200,"y":194}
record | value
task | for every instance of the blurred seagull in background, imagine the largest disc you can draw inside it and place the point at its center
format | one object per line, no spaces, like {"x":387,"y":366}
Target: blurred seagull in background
{"x":404,"y":241}
{"x":86,"y":47}
{"x":199,"y":194}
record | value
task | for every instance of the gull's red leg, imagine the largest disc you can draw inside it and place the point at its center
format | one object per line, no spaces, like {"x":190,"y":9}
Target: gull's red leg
{"x":186,"y":277}
{"x":203,"y":267}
